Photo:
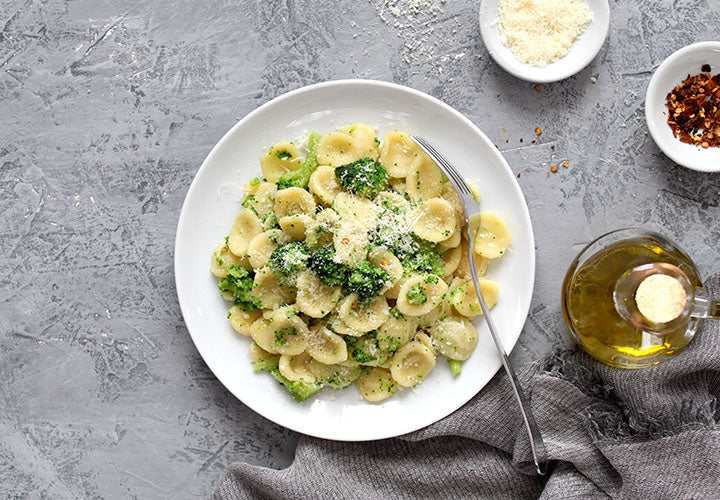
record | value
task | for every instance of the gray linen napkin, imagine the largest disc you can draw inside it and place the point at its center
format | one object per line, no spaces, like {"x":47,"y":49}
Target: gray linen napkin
{"x":652,"y":433}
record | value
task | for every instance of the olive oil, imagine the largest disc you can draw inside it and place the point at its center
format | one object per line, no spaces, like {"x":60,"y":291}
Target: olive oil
{"x":590,"y":310}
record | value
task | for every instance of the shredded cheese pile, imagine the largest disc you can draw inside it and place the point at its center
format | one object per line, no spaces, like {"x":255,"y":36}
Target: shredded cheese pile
{"x":539,"y":32}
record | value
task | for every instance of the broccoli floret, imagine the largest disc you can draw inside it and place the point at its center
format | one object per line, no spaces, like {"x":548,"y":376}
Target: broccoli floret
{"x":414,"y":253}
{"x":366,"y":280}
{"x":248,"y":203}
{"x":289,"y":259}
{"x":267,"y":364}
{"x":330,"y":272}
{"x":239,"y":281}
{"x":363,"y":349}
{"x":300,"y":390}
{"x":365,"y":177}
{"x":301,"y":176}
{"x":416,"y":295}
{"x":255,"y":181}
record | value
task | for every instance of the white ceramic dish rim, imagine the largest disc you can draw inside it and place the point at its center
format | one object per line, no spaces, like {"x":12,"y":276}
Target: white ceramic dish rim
{"x":686,"y":155}
{"x":523,"y":213}
{"x":553,"y":72}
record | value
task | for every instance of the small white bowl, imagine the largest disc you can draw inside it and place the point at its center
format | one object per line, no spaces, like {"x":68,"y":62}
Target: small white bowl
{"x":672,"y":71}
{"x":581,"y":53}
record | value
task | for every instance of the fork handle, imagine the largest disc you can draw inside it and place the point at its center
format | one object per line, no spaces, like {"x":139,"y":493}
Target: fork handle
{"x":537,"y":445}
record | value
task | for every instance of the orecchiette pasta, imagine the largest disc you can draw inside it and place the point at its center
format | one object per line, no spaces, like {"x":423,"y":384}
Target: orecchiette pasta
{"x":222,"y":259}
{"x":376,"y":384}
{"x":247,"y":225}
{"x":339,"y":148}
{"x":412,"y":363}
{"x":325,"y":346}
{"x":296,"y":368}
{"x":435,"y":220}
{"x":420,"y":294}
{"x":262,"y":245}
{"x":366,"y":139}
{"x":315,"y":298}
{"x":279,"y":159}
{"x":454,"y":338}
{"x":424,"y":180}
{"x":363,"y":318}
{"x":293,"y":201}
{"x":493,"y":236}
{"x":295,"y":226}
{"x":398,"y":153}
{"x":339,"y":262}
{"x":324,"y":185}
{"x":241,"y":320}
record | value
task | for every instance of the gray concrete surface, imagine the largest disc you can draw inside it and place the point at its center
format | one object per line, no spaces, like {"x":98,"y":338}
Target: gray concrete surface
{"x":107,"y":109}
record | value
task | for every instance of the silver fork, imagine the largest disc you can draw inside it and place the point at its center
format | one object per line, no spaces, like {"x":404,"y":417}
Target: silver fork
{"x":537,"y":444}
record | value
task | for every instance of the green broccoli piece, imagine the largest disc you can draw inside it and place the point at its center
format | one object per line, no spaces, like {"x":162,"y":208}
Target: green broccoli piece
{"x":267,"y":364}
{"x":289,"y":259}
{"x":416,"y":295}
{"x":365,"y":177}
{"x":239,"y":281}
{"x":363,"y":349}
{"x":301,"y":176}
{"x":455,"y":366}
{"x":248,"y":203}
{"x":414,"y":253}
{"x":255,"y":181}
{"x":366,"y":280}
{"x":299,"y":390}
{"x":330,"y":272}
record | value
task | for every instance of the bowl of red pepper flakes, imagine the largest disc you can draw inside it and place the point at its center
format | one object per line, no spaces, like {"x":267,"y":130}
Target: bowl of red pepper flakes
{"x":682,"y":106}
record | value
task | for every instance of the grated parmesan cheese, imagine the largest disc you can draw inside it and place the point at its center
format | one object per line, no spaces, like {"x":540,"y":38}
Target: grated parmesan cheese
{"x":539,"y":32}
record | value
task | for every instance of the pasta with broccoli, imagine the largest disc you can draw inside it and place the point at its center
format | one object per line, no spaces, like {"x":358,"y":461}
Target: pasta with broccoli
{"x":349,"y":265}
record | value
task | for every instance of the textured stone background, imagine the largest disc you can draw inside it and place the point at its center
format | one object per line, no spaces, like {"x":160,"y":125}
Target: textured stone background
{"x":107,"y":109}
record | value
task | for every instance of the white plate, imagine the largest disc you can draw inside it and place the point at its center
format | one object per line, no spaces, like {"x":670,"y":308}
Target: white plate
{"x":213,"y":202}
{"x":581,"y":53}
{"x":672,"y":71}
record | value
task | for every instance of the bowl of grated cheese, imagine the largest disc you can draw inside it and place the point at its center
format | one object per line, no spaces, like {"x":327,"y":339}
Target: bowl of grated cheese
{"x":544,"y":40}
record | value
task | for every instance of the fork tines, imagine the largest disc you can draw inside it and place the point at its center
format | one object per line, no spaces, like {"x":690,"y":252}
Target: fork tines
{"x":449,"y":170}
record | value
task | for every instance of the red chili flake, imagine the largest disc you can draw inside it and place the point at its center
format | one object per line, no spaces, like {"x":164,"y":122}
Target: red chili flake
{"x":553,"y":169}
{"x":537,"y":87}
{"x":694,"y":110}
{"x":565,"y":164}
{"x":345,"y":241}
{"x":538,"y":131}
{"x":518,"y":176}
{"x":520,"y":140}
{"x":507,"y":140}
{"x":706,"y":68}
{"x":552,"y":148}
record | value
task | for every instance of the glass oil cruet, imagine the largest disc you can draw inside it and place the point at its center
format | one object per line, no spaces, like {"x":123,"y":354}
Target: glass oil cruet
{"x":632,"y":299}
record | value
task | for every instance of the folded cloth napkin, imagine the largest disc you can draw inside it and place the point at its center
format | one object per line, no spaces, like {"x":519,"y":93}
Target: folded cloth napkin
{"x":652,"y":433}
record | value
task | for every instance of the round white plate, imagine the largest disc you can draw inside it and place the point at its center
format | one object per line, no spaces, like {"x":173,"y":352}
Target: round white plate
{"x":672,"y":71}
{"x":214,"y":200}
{"x":581,"y":53}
